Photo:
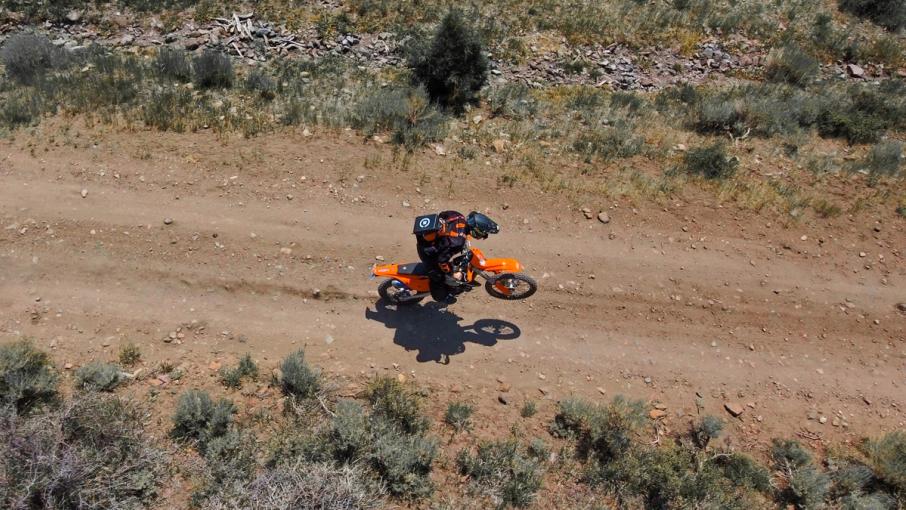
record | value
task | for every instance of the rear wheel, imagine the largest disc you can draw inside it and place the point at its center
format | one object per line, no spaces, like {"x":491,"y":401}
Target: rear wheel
{"x":396,"y":296}
{"x":511,"y":286}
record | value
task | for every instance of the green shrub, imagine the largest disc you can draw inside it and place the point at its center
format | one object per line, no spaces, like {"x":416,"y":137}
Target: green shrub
{"x":573,"y":418}
{"x":393,"y":402}
{"x":198,"y":418}
{"x":709,"y":162}
{"x":259,"y":83}
{"x":229,"y":458}
{"x":513,"y":101}
{"x":718,"y":114}
{"x":169,"y":109}
{"x":229,"y":465}
{"x":539,"y":450}
{"x":886,"y":50}
{"x":405,"y":112}
{"x":350,"y":436}
{"x":232,"y":377}
{"x":512,"y":476}
{"x":706,"y":429}
{"x":792,"y":65}
{"x":459,"y":416}
{"x":825,"y":208}
{"x":130,"y":354}
{"x":670,"y":477}
{"x":454,"y":67}
{"x":890,"y":14}
{"x":604,"y":432}
{"x":300,"y":444}
{"x":612,"y":426}
{"x":608,"y":141}
{"x":89,"y":453}
{"x":805,"y":485}
{"x":297,"y":379}
{"x":404,"y":461}
{"x":28,"y":56}
{"x":849,"y":124}
{"x":859,"y":113}
{"x":850,"y":478}
{"x":629,"y":101}
{"x":213,"y":69}
{"x":27,"y":377}
{"x":825,"y":35}
{"x":98,"y":376}
{"x":885,"y":158}
{"x":247,"y":366}
{"x":744,"y":471}
{"x":20,"y":108}
{"x":761,"y":110}
{"x":863,"y":113}
{"x":173,"y":64}
{"x":110,"y":85}
{"x":587,"y":98}
{"x":529,"y":409}
{"x":862,"y":501}
{"x":887,"y":457}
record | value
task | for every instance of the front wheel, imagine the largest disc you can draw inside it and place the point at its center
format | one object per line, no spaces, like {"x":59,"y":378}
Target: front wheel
{"x":511,"y":286}
{"x":395,"y":296}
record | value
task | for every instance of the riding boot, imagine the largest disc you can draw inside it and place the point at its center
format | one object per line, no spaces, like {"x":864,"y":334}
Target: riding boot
{"x":439,"y":290}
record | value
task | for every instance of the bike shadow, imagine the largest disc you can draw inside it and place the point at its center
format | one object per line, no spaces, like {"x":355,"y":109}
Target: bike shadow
{"x":435,"y":332}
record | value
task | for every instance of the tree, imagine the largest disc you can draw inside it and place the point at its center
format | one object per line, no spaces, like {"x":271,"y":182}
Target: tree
{"x":454,"y":68}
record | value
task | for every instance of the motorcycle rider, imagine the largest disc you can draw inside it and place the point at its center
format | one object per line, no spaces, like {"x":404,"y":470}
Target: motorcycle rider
{"x":446,"y":250}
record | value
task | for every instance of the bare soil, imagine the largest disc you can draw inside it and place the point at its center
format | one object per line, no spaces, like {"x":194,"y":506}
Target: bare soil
{"x":690,"y":306}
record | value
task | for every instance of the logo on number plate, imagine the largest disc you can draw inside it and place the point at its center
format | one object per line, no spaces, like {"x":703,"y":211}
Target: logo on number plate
{"x":424,"y":222}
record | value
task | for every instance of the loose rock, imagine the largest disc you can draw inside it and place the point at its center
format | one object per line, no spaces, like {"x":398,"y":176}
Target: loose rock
{"x":734,"y":408}
{"x":855,"y":71}
{"x":604,"y":218}
{"x":657,"y":414}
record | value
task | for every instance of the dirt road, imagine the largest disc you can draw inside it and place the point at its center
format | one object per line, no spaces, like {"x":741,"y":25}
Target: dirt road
{"x":665,"y":303}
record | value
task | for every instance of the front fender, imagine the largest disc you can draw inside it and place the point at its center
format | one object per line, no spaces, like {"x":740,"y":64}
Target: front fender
{"x":500,"y":265}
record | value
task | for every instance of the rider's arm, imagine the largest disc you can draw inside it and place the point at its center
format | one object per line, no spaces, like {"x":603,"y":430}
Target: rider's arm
{"x":447,"y":248}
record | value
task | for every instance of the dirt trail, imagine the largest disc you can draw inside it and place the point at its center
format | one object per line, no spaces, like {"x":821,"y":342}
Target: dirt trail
{"x":732,"y":308}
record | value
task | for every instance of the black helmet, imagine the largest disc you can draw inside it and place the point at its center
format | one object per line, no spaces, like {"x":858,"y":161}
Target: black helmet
{"x":480,"y":225}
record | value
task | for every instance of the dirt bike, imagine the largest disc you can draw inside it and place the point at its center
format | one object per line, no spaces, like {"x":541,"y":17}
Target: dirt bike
{"x":408,"y":284}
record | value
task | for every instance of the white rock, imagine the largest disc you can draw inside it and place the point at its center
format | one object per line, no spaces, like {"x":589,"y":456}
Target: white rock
{"x":855,"y":71}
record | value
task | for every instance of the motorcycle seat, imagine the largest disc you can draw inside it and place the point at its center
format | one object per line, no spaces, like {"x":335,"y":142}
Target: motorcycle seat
{"x":414,"y":268}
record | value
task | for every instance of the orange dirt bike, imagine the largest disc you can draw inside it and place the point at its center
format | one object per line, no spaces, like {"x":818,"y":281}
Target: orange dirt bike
{"x":408,"y":284}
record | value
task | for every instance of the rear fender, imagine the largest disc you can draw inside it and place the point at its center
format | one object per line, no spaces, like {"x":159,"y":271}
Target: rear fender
{"x":414,"y":282}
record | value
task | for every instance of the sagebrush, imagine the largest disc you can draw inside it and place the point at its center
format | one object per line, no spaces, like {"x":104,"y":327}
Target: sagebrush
{"x":27,"y":376}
